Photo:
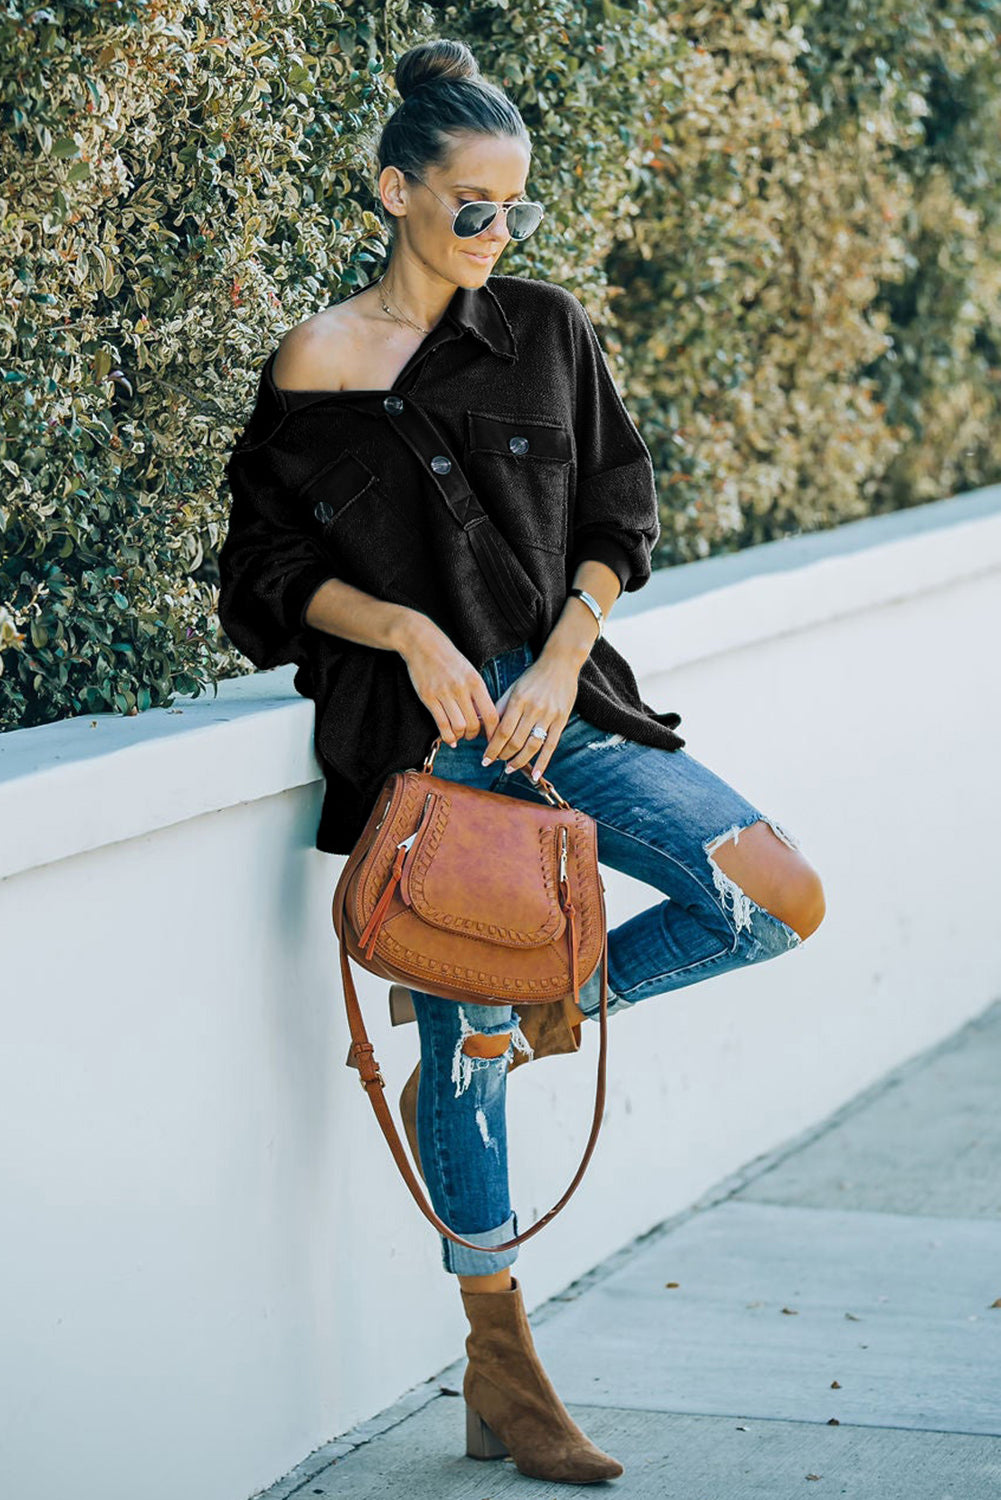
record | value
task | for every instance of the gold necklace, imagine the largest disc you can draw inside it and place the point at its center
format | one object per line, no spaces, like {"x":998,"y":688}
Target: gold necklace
{"x":403,"y":318}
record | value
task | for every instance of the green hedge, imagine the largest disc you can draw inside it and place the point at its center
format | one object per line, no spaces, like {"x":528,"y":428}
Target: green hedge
{"x":784,"y":219}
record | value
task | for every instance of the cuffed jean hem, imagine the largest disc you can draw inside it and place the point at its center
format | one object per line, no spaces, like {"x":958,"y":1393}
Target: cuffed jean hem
{"x":589,"y":997}
{"x":463,"y":1262}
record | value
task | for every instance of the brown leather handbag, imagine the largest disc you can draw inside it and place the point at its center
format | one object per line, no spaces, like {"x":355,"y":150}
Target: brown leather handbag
{"x":474,"y":896}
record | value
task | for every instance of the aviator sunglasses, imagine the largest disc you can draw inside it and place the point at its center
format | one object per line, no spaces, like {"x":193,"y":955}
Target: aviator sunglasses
{"x":523,"y":217}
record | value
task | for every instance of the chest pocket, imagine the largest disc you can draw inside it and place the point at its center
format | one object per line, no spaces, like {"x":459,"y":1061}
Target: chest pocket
{"x":370,"y":540}
{"x":520,"y":470}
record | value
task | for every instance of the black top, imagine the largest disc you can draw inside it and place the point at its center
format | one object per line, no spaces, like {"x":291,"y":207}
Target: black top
{"x":500,"y":458}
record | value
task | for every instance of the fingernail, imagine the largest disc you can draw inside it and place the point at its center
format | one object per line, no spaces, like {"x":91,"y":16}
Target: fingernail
{"x":485,"y":761}
{"x":508,"y":770}
{"x":536,"y":775}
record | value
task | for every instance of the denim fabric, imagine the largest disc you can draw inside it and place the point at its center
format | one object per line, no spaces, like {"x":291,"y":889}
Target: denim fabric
{"x":659,"y":815}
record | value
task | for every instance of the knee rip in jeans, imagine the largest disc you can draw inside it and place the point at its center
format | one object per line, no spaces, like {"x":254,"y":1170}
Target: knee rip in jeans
{"x":466,"y":1063}
{"x":741,"y":903}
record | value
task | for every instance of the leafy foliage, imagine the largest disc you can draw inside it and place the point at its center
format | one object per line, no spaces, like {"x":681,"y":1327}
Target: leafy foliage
{"x":783,"y":215}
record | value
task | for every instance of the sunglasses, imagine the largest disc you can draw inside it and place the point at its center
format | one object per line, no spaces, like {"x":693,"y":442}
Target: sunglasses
{"x":522,"y":218}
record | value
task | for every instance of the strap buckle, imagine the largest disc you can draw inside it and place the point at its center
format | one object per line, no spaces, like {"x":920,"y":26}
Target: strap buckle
{"x":360,"y":1056}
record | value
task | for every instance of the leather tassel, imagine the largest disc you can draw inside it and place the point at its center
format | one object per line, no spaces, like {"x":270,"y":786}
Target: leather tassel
{"x":570,"y":912}
{"x":372,"y":926}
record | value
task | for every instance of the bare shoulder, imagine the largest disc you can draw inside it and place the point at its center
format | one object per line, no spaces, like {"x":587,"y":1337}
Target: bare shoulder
{"x":318,"y":354}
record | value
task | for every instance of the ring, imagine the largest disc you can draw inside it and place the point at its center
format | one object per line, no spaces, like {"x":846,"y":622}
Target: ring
{"x":540,"y":731}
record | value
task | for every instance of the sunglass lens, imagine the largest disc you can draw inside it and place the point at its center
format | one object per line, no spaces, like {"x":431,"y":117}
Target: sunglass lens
{"x":473,"y":218}
{"x":523,"y":220}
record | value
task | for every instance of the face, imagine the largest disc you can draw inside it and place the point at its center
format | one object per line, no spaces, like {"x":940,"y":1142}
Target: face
{"x":491,"y":168}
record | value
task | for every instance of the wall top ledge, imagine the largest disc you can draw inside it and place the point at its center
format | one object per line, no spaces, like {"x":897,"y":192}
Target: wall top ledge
{"x":85,"y":782}
{"x":917,"y":522}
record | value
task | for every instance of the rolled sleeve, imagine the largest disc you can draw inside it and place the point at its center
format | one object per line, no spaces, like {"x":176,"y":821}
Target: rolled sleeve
{"x":615,"y":514}
{"x":269,"y":569}
{"x":601,"y":547}
{"x":306,"y":584}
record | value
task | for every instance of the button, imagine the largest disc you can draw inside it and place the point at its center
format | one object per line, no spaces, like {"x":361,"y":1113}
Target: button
{"x":518,"y":444}
{"x":441,"y":464}
{"x":393,"y":403}
{"x":323,"y":511}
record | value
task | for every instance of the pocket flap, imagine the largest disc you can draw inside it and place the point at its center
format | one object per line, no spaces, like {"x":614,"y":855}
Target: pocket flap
{"x":518,"y":438}
{"x":459,"y":886}
{"x":337,"y":485}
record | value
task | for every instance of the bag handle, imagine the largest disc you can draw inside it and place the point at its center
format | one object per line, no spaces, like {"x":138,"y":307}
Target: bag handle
{"x":542,"y":785}
{"x":363,"y":1053}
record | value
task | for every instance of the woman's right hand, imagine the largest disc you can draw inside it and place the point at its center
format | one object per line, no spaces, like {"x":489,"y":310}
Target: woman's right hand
{"x":449,"y":685}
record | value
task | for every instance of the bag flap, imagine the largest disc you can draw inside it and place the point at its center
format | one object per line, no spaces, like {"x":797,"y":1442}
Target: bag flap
{"x":504,"y":890}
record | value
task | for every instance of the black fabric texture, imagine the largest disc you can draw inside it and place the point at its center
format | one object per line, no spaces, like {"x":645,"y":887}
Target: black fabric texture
{"x":501,"y":457}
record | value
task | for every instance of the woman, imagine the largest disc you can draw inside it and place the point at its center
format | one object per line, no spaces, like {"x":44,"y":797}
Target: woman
{"x":387,"y":429}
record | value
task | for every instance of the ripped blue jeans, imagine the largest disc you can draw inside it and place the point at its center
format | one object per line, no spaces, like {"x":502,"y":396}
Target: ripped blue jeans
{"x":659,"y":815}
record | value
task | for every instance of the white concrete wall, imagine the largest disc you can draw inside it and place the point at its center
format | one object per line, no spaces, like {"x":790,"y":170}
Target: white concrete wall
{"x":211,"y":1265}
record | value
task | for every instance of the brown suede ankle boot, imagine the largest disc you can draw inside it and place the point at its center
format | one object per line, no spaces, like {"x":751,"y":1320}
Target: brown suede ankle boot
{"x":511,"y":1404}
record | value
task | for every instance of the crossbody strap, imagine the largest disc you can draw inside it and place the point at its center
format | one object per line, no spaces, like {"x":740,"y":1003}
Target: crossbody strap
{"x":374,"y":1084}
{"x":516,"y":595}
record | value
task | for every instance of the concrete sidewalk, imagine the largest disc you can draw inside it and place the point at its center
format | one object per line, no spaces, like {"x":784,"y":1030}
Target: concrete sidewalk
{"x":831,"y":1331}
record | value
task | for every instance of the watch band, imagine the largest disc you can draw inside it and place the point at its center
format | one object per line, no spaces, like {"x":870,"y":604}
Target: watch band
{"x":592,"y":605}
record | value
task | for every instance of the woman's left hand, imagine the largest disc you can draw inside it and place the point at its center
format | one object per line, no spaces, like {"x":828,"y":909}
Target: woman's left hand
{"x":544,"y":694}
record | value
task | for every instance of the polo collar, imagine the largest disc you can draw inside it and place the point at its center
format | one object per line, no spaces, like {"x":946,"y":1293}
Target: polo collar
{"x":478,"y":310}
{"x":475,"y":310}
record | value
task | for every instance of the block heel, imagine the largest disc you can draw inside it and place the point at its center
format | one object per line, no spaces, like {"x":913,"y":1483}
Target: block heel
{"x":481,"y":1442}
{"x":401,"y":1005}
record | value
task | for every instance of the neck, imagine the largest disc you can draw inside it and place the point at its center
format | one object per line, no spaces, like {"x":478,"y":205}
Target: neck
{"x":411,"y":293}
